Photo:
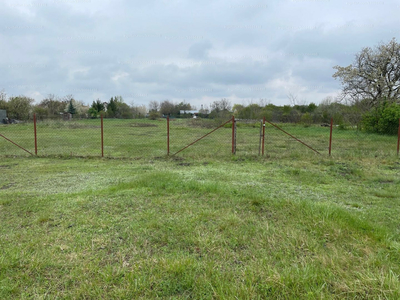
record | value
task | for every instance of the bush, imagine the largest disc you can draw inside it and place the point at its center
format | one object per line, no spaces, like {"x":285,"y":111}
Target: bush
{"x":383,"y":120}
{"x":306,"y":119}
{"x":154,"y":115}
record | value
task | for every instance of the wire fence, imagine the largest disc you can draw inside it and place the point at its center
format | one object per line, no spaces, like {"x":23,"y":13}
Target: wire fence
{"x":136,"y":138}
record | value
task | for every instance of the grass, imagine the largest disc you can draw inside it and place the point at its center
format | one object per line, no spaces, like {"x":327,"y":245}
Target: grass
{"x":201,"y":228}
{"x":147,"y":138}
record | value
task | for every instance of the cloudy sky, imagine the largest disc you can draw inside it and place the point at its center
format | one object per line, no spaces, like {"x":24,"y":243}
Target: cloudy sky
{"x":181,"y":50}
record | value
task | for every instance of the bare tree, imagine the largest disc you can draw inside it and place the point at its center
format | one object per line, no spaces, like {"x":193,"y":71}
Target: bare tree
{"x":3,"y":95}
{"x":53,"y":104}
{"x":221,"y":108}
{"x":374,"y":76}
{"x":168,"y":108}
{"x":292,"y":99}
{"x":221,"y":105}
{"x":154,"y":106}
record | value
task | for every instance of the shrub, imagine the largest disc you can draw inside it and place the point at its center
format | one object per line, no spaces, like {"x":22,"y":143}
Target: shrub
{"x":383,"y":119}
{"x":154,"y":115}
{"x":306,"y":119}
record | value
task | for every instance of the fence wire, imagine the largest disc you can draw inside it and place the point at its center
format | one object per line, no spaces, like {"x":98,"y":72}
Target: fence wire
{"x":135,"y":138}
{"x":184,"y":132}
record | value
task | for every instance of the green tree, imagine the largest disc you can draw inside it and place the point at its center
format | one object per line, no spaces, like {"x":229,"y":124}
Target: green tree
{"x":112,"y":108}
{"x":98,"y":106}
{"x":124,"y":111}
{"x":19,"y":107}
{"x":96,"y":109}
{"x":53,"y":105}
{"x":3,"y":104}
{"x":184,"y":106}
{"x":252,"y":111}
{"x":168,"y":108}
{"x":311,"y":107}
{"x":41,"y":112}
{"x":306,"y":119}
{"x":117,"y":108}
{"x":71,"y":108}
{"x":93,"y":113}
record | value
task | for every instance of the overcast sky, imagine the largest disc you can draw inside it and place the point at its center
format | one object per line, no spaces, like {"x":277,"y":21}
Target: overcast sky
{"x":180,"y":50}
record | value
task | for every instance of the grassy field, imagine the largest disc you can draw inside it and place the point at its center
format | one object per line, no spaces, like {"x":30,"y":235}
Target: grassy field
{"x":147,"y":138}
{"x":242,"y":227}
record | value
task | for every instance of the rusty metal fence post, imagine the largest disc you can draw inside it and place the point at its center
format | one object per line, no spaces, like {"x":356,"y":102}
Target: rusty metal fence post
{"x":330,"y":138}
{"x":260,"y":141}
{"x":102,"y":137}
{"x":398,"y":139}
{"x":167,"y":135}
{"x":35,"y":133}
{"x":233,"y":135}
{"x":263,"y":136}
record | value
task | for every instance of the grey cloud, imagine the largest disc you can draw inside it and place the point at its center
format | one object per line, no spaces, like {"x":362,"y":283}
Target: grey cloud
{"x":199,"y":50}
{"x":157,"y":50}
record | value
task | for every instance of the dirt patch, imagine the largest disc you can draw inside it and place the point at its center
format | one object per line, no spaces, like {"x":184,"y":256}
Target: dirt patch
{"x":143,"y":125}
{"x":69,"y":125}
{"x":396,"y":166}
{"x":7,"y":186}
{"x":386,"y":181}
{"x":7,"y":166}
{"x":140,"y":134}
{"x":177,"y":158}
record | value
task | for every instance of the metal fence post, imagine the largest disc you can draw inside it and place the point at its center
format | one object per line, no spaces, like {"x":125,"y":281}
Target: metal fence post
{"x":167,"y":135}
{"x":263,"y":136}
{"x":102,"y":137}
{"x":330,"y":138}
{"x":260,"y":142}
{"x":398,"y":139}
{"x":35,"y":132}
{"x":233,"y":135}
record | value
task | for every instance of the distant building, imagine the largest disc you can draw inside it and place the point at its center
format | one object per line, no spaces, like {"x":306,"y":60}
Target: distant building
{"x":67,"y":116}
{"x":193,"y":113}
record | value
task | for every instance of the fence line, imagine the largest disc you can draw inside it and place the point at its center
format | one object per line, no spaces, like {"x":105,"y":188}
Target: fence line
{"x":144,"y":137}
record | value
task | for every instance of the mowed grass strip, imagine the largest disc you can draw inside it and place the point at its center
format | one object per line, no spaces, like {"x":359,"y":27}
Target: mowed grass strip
{"x":171,"y":228}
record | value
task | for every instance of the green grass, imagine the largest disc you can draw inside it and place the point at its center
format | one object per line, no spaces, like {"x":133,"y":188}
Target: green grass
{"x":147,"y":138}
{"x":240,"y":227}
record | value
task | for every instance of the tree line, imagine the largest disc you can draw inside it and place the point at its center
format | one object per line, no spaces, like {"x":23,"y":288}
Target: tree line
{"x":22,"y":108}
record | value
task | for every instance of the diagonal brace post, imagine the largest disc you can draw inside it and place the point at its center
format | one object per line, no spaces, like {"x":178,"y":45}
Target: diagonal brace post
{"x":15,"y":144}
